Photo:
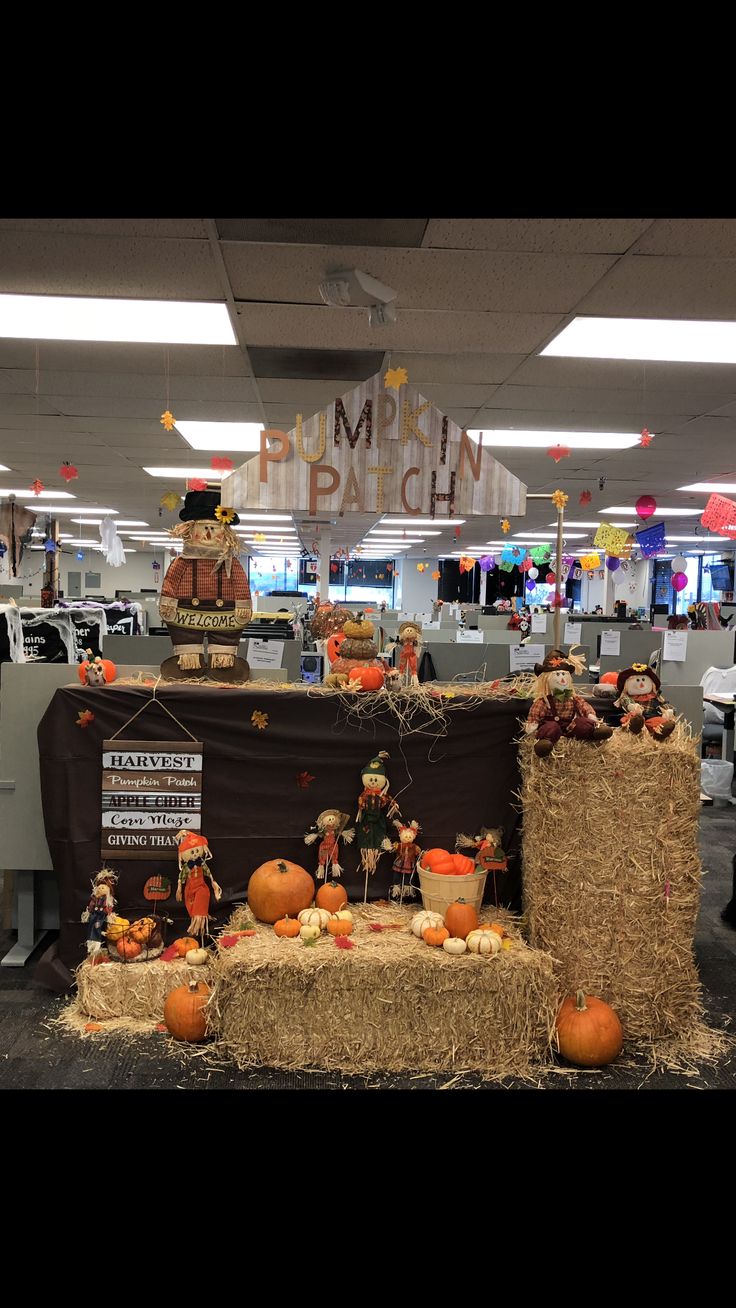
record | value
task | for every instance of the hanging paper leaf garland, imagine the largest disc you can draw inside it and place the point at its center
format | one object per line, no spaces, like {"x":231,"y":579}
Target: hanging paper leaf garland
{"x":719,"y":515}
{"x":68,"y":471}
{"x":221,"y":464}
{"x":558,"y":452}
{"x":435,"y":575}
{"x":559,"y":499}
{"x":36,"y":486}
{"x":646,"y":438}
{"x":505,"y":526}
{"x":585,"y":497}
{"x":614,"y":540}
{"x":197,"y":484}
{"x":167,"y":420}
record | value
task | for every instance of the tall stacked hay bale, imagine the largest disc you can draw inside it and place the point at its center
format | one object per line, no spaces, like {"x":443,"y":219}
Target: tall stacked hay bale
{"x":612,"y":873}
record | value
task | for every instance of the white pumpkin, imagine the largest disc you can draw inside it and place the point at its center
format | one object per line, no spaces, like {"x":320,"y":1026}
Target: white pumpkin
{"x":309,"y":931}
{"x":196,"y":957}
{"x":424,"y":919}
{"x":344,"y":915}
{"x":483,"y":942}
{"x":318,"y":917}
{"x":455,"y":945}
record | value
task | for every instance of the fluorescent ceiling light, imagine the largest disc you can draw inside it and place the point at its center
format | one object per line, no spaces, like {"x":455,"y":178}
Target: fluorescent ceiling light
{"x":396,"y":535}
{"x":266,"y":529}
{"x":422,"y":522}
{"x":659,"y":512}
{"x":65,"y":508}
{"x":243,"y":436}
{"x":185,"y":474}
{"x":594,"y":524}
{"x":249,"y":518}
{"x":25,"y":491}
{"x":119,"y":522}
{"x":81,"y":318}
{"x":701,"y":540}
{"x":4,"y":468}
{"x":710,"y":488}
{"x":576,"y":440}
{"x":668,"y":339}
{"x":542,"y":535}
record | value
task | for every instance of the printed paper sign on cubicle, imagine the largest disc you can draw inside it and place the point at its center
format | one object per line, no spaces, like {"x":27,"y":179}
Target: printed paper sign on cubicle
{"x":150,"y":790}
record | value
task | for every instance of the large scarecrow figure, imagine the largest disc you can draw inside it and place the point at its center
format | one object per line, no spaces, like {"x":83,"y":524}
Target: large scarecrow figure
{"x":194,"y":855}
{"x":375,"y":808}
{"x":205,"y":592}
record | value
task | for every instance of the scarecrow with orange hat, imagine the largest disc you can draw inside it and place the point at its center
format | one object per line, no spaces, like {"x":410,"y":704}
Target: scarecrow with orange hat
{"x":194,"y":854}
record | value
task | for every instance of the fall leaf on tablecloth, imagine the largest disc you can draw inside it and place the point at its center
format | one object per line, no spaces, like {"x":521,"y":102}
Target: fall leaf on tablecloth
{"x":342,"y":942}
{"x":505,"y":526}
{"x":395,"y":377}
{"x":585,"y":497}
{"x":197,"y":483}
{"x":68,"y":471}
{"x":303,"y":779}
{"x":259,"y":719}
{"x":646,"y":438}
{"x":36,"y":486}
{"x":559,"y":499}
{"x":170,"y":954}
{"x":167,"y":420}
{"x":161,"y":1026}
{"x":84,"y":717}
{"x":170,"y":501}
{"x":221,"y":464}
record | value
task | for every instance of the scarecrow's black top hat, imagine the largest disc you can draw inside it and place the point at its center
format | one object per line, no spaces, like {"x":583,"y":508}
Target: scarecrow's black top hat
{"x":201,"y":506}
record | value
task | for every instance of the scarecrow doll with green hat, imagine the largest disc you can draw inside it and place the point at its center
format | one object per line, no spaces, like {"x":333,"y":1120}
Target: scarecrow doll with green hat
{"x":205,"y":592}
{"x":375,"y":808}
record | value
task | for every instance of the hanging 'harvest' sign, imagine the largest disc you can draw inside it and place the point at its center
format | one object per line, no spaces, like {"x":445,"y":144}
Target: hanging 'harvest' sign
{"x":150,"y":790}
{"x":375,"y":452}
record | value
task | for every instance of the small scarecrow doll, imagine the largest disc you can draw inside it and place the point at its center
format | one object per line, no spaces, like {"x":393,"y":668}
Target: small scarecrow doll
{"x":410,"y":638}
{"x":375,"y":808}
{"x":100,"y":909}
{"x":490,"y":855}
{"x":639,"y":697}
{"x":194,"y":854}
{"x":205,"y":591}
{"x":407,"y":853}
{"x":330,"y":827}
{"x":557,"y":710}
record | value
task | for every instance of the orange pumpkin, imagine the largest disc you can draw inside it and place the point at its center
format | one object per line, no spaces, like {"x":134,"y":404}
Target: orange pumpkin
{"x":333,"y":645}
{"x":108,"y":667}
{"x":331,"y":896}
{"x":142,"y":930}
{"x":128,"y":948}
{"x":499,"y":930}
{"x":588,"y":1031}
{"x":462,"y":865}
{"x":439,"y":861}
{"x":435,"y":936}
{"x":460,"y":919}
{"x":183,"y":945}
{"x":287,"y":926}
{"x":340,"y":926}
{"x":279,"y":889}
{"x":184,"y":1011}
{"x":366,"y":678}
{"x":609,"y":679}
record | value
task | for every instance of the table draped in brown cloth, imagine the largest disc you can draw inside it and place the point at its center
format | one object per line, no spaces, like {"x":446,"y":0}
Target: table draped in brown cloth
{"x":253,"y":807}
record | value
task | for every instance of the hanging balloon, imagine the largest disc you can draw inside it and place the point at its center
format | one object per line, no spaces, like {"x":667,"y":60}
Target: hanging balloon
{"x":550,"y":578}
{"x":645,"y":506}
{"x":620,"y":577}
{"x":534,"y":573}
{"x":679,"y":564}
{"x":612,"y":563}
{"x":530,"y":585}
{"x":679,"y":581}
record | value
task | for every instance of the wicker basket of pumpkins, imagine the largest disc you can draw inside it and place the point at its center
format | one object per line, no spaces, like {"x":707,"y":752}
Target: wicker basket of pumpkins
{"x":134,"y":942}
{"x":445,"y":877}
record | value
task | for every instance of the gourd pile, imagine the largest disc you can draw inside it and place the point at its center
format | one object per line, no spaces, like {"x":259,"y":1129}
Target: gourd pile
{"x":311,"y":922}
{"x":134,"y":940}
{"x":459,"y":931}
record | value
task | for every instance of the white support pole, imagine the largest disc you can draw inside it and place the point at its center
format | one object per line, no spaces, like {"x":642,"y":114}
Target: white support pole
{"x":325,"y":550}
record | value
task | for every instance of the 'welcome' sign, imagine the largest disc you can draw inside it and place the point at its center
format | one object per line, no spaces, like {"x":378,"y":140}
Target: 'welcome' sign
{"x":150,"y":790}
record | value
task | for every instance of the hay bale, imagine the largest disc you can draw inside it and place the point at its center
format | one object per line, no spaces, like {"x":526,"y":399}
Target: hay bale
{"x":607,"y":831}
{"x":131,"y":990}
{"x":391,"y":1004}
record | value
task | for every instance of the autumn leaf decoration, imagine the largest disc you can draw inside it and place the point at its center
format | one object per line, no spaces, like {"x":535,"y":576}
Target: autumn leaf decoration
{"x":259,"y":719}
{"x":559,"y":499}
{"x":84,"y":717}
{"x":505,"y":526}
{"x":197,"y":484}
{"x":36,"y":486}
{"x":646,"y":438}
{"x":68,"y":471}
{"x":342,"y":942}
{"x":585,"y":497}
{"x":395,"y":377}
{"x":221,"y":464}
{"x":167,"y":420}
{"x":303,"y":779}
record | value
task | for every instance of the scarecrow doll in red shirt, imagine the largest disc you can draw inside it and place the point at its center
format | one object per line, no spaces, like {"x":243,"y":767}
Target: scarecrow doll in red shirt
{"x":557,"y":710}
{"x":205,"y":592}
{"x":409,"y":638}
{"x":329,"y":828}
{"x":639,"y":697}
{"x":194,"y":854}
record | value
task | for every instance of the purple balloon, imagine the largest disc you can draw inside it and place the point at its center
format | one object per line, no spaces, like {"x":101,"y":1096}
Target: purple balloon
{"x":679,"y":581}
{"x":612,"y":563}
{"x":530,"y":584}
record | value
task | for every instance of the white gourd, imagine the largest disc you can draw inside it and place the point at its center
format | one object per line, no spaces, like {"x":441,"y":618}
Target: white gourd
{"x":309,"y":932}
{"x":455,"y":945}
{"x":344,"y":914}
{"x":484,"y":942}
{"x":424,"y":919}
{"x":196,"y":957}
{"x":318,"y":917}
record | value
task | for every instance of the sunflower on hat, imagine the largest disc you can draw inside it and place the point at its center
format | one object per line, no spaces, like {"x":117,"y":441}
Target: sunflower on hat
{"x":224,"y":515}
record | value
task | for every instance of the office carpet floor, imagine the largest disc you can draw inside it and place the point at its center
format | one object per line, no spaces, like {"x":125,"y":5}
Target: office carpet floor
{"x":35,"y":1055}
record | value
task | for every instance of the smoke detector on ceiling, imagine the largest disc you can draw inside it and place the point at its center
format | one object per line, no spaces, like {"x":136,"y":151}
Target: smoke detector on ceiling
{"x":353,"y":287}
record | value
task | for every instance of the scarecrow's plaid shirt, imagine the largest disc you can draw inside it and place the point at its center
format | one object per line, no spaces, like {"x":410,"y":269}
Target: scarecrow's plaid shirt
{"x":547,"y":710}
{"x":195,"y":579}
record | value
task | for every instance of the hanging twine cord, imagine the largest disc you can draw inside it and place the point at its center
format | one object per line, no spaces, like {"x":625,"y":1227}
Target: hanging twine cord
{"x":161,"y":704}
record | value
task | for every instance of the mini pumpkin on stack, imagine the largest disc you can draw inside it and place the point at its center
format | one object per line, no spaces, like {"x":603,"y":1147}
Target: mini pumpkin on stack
{"x":358,"y":649}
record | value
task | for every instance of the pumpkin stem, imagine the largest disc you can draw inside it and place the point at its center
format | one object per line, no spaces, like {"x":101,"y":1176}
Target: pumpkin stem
{"x":282,"y":867}
{"x":580,"y":1005}
{"x":193,"y":986}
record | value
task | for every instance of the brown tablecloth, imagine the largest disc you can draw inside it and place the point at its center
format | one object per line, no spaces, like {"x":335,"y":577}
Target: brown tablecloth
{"x":253,"y":808}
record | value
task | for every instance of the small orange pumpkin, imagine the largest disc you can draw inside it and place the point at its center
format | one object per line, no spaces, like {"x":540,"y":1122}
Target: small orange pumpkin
{"x":435,"y":936}
{"x":462,"y":865}
{"x":366,"y":678}
{"x":128,"y":948}
{"x":499,"y":930}
{"x":439,"y":861}
{"x":460,"y":919}
{"x":340,"y":926}
{"x":184,"y":944}
{"x":333,"y":645}
{"x":184,"y":1011}
{"x":331,"y":896}
{"x":589,"y":1033}
{"x":286,"y":926}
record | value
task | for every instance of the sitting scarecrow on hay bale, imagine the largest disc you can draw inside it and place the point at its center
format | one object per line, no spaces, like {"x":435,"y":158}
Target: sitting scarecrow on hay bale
{"x":638,"y":690}
{"x":557,"y":710}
